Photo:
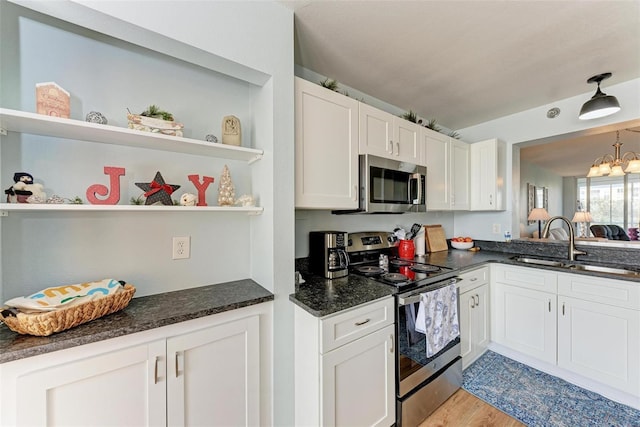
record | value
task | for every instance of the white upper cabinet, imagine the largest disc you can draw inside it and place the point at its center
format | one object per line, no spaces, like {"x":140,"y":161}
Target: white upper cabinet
{"x":488,"y":168}
{"x":385,"y":135}
{"x":447,"y":161}
{"x":326,"y":148}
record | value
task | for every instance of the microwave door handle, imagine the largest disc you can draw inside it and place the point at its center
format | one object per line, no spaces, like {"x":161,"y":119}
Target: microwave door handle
{"x":419,"y":185}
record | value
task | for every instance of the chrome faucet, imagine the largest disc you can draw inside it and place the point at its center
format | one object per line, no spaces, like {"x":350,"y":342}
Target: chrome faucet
{"x":572,"y":247}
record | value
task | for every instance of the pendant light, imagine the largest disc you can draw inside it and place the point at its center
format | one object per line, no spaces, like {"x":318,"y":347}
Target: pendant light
{"x":601,"y":104}
{"x":611,"y":165}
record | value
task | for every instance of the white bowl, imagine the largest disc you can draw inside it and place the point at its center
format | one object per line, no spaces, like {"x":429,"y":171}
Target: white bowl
{"x":462,"y":245}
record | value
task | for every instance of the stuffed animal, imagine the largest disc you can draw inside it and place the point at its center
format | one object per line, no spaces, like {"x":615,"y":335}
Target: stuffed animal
{"x":188,"y":199}
{"x":24,"y":190}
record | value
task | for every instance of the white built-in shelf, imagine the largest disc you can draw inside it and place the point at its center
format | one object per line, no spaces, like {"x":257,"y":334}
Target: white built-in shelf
{"x":5,"y":208}
{"x":39,"y":124}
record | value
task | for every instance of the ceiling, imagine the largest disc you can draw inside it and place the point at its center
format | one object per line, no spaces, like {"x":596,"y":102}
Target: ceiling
{"x":467,"y":62}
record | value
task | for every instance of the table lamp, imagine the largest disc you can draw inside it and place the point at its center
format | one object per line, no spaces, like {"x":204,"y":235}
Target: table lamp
{"x":582,"y":218}
{"x":539,"y":214}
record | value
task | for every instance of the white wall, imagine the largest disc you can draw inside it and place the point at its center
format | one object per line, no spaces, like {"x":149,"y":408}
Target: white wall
{"x":533,"y":125}
{"x":540,"y":177}
{"x":251,"y":41}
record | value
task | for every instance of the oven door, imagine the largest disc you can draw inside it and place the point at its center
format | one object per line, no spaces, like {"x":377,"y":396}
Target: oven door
{"x":391,"y":186}
{"x":413,"y":365}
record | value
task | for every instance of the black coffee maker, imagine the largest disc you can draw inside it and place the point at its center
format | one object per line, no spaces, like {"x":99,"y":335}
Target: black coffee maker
{"x":327,"y":253}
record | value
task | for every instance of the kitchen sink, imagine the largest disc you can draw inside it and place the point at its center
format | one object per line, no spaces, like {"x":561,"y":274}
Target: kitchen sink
{"x":538,"y":261}
{"x":602,"y":269}
{"x":577,"y":267}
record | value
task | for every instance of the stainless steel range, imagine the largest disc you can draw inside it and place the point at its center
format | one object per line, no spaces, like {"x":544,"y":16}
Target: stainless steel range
{"x":422,"y":382}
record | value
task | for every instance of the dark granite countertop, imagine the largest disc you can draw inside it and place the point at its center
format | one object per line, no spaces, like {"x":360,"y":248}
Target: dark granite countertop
{"x":321,"y":297}
{"x":140,"y":315}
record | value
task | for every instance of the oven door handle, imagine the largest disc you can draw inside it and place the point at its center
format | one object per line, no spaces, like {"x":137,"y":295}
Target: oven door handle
{"x":411,"y":299}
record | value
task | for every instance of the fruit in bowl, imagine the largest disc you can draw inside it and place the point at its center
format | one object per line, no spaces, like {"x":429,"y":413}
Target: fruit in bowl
{"x":462,"y":242}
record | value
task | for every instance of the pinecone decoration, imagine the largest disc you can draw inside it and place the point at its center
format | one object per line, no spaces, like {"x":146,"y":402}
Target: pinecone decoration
{"x":226,"y":192}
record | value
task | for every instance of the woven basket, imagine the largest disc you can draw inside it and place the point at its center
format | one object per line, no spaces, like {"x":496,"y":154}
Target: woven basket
{"x":43,"y":324}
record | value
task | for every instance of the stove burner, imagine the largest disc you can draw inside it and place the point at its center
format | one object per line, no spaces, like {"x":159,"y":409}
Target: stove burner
{"x":424,"y":268}
{"x":370,"y":270}
{"x":395,"y":277}
{"x":400,"y":262}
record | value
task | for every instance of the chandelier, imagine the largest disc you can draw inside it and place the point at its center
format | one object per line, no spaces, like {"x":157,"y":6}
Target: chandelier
{"x":611,"y":165}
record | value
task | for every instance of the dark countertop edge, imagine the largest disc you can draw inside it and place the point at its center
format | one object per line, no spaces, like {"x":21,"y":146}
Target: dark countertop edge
{"x":62,"y":341}
{"x":473,"y":260}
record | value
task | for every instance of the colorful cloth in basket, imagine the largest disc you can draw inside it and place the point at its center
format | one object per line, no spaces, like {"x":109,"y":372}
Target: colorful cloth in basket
{"x":54,"y":298}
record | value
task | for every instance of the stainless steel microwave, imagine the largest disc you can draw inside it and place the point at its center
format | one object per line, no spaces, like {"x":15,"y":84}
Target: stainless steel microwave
{"x":391,"y":186}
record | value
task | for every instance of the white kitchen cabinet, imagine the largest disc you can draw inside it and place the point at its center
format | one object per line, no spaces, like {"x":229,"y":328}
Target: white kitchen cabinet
{"x":599,"y":330}
{"x":487,"y":175}
{"x":474,"y":314}
{"x":326,"y":147}
{"x":345,"y":367}
{"x":213,"y":376}
{"x":385,"y":135}
{"x":201,"y":372}
{"x":523,"y":316}
{"x":447,"y":160}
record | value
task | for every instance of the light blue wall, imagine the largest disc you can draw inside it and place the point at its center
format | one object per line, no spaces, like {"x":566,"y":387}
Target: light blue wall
{"x":540,"y":177}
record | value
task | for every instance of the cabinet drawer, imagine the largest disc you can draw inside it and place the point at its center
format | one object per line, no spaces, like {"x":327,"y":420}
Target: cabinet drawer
{"x":345,"y":327}
{"x":600,"y":289}
{"x":525,"y":277}
{"x":473,"y":278}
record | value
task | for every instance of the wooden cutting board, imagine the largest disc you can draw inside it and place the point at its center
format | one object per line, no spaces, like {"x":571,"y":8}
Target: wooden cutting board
{"x":435,"y":238}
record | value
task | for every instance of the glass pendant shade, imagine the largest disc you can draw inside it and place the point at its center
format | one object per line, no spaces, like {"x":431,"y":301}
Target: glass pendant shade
{"x":616,"y":171}
{"x":604,"y":169}
{"x":593,"y":172}
{"x":633,"y":167}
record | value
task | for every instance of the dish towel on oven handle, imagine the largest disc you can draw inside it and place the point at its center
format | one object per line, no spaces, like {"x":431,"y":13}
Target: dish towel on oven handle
{"x":438,"y":317}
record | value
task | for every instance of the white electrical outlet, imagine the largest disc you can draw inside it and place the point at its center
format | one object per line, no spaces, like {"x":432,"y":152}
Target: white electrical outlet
{"x":181,"y":247}
{"x":496,"y":228}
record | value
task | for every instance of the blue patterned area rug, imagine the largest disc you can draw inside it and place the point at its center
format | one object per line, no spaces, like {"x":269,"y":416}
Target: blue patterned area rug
{"x":538,"y":399}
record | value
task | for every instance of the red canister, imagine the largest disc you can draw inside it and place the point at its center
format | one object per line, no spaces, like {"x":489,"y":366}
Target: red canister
{"x":406,"y":249}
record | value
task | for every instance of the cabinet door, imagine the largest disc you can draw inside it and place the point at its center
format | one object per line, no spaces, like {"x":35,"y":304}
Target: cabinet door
{"x":437,"y":160}
{"x":524,"y":320}
{"x":358,"y":382}
{"x":376,"y":132}
{"x":459,"y":175}
{"x":326,"y":148}
{"x":213,"y":375}
{"x":474,"y":323}
{"x":487,"y":171}
{"x":125,"y":387}
{"x":601,"y":342}
{"x":407,"y":141}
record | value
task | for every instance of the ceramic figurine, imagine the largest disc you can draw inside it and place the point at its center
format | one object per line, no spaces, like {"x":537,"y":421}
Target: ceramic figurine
{"x":188,"y":199}
{"x":245,"y":200}
{"x":231,"y":131}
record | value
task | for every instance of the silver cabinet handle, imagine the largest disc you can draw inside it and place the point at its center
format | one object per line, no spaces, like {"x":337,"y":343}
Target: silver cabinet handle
{"x":473,"y":302}
{"x":491,"y":199}
{"x":397,"y":148}
{"x":155,"y":371}
{"x":473,"y":279}
{"x":563,"y":309}
{"x":391,"y":349}
{"x":355,"y":193}
{"x":390,"y":147}
{"x":477,"y":300}
{"x":549,"y":306}
{"x":363,"y":322}
{"x":177,"y":353}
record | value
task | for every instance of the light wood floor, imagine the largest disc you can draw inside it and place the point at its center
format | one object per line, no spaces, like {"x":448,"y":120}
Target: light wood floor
{"x":464,"y":409}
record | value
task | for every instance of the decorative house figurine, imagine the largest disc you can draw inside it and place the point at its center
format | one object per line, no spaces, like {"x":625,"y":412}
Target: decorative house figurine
{"x":231,"y":131}
{"x":52,"y":100}
{"x":226,"y":192}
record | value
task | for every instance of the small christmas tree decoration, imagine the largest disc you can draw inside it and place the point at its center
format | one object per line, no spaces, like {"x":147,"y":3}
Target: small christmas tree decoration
{"x":157,"y":191}
{"x":226,"y":192}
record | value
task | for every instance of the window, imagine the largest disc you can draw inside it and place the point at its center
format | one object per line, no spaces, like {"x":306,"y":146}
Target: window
{"x":611,"y":200}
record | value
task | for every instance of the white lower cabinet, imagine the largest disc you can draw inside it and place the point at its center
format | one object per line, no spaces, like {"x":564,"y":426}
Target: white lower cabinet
{"x":345,"y":367}
{"x":474,"y":314}
{"x":523,"y":316}
{"x":207,"y":377}
{"x":596,"y":339}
